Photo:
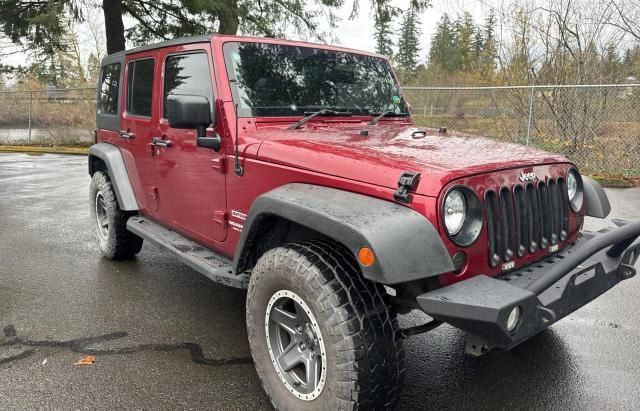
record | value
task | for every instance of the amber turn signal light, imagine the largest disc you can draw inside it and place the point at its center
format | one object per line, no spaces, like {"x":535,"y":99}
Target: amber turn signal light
{"x":366,"y":257}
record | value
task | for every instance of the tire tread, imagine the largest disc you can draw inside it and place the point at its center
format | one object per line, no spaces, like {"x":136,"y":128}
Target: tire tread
{"x":366,"y":335}
{"x":121,"y":244}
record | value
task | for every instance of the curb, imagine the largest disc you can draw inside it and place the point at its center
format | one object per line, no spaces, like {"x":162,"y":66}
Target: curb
{"x":82,"y":151}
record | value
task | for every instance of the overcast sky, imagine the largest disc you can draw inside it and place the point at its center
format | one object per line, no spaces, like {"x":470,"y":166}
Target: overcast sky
{"x":357,"y":33}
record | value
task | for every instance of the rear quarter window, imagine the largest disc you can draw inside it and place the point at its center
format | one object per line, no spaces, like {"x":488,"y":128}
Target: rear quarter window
{"x":109,"y":87}
{"x":140,"y":87}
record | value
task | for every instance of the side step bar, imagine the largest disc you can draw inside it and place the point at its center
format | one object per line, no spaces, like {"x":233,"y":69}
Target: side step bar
{"x":209,"y":263}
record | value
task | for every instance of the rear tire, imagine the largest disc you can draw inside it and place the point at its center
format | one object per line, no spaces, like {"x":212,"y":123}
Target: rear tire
{"x":354,"y":321}
{"x":110,"y":222}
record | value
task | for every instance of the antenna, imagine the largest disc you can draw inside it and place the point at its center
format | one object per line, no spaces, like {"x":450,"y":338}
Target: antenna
{"x":236,"y":161}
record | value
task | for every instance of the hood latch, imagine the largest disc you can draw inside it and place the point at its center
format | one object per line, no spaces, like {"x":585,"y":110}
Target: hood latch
{"x":407,"y":183}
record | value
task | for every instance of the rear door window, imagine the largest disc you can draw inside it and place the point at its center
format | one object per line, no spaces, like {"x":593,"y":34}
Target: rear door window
{"x":140,"y":87}
{"x":187,"y":74}
{"x":109,"y":86}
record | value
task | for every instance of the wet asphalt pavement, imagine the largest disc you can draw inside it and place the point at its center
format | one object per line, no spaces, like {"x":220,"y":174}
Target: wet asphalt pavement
{"x":166,"y":337}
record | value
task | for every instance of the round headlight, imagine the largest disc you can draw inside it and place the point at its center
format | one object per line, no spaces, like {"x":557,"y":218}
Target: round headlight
{"x":455,"y":211}
{"x":462,"y":214}
{"x":572,"y":185}
{"x":574,"y":190}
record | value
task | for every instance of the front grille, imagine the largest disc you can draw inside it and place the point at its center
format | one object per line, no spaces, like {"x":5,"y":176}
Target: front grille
{"x":525,"y":218}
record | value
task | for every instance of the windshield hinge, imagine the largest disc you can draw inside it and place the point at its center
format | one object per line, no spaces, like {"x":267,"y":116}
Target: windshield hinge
{"x":219,"y":164}
{"x":220,"y":217}
{"x":407,"y":183}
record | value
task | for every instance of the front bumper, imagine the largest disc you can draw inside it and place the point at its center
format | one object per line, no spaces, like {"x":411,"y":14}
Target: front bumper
{"x":545,"y":292}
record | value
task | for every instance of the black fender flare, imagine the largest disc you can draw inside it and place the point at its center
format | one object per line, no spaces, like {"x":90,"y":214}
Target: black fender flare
{"x":112,"y":158}
{"x":406,"y":245}
{"x":596,"y":198}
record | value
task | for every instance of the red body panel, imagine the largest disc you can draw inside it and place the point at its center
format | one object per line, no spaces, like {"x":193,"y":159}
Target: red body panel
{"x":389,"y":149}
{"x":137,"y":151}
{"x":190,"y":180}
{"x":197,"y":185}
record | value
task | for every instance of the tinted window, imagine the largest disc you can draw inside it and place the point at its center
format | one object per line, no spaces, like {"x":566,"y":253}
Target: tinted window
{"x":187,"y":74}
{"x":139,"y":87}
{"x":109,"y":86}
{"x":280,"y":80}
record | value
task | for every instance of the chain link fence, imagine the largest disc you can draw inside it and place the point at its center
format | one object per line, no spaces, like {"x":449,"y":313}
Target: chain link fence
{"x":48,"y":117}
{"x":598,"y":127}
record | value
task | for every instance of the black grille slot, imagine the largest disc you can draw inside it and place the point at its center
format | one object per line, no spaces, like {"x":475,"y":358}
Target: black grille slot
{"x":564,"y":209}
{"x":534,"y":219}
{"x":522,"y":218}
{"x":508,"y":224}
{"x":545,"y":208}
{"x":493,"y":227}
{"x":556,"y":212}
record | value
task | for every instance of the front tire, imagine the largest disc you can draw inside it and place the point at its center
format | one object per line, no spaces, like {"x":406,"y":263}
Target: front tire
{"x":110,"y":222}
{"x":309,"y":300}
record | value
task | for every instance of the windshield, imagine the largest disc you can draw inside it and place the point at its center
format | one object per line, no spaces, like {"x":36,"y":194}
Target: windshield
{"x":279,"y":80}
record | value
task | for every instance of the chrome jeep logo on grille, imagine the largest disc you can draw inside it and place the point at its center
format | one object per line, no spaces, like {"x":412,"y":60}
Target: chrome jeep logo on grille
{"x":524,"y":177}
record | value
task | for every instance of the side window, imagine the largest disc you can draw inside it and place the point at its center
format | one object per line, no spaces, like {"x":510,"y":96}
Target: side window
{"x":109,"y":86}
{"x":187,"y":74}
{"x":140,"y":87}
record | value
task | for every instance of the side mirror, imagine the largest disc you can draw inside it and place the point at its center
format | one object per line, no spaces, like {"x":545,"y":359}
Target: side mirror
{"x":188,"y":111}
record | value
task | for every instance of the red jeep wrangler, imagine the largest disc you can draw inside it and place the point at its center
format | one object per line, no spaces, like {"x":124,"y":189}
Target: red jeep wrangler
{"x":296,"y":171}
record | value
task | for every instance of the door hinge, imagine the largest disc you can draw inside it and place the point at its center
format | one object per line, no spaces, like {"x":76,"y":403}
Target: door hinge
{"x":219,"y":164}
{"x":220,"y":217}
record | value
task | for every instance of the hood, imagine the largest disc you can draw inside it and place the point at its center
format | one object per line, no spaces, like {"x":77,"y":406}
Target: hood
{"x":380,"y":157}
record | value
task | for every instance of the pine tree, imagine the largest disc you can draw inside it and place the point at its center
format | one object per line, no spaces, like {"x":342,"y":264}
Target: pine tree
{"x":627,"y":57}
{"x":478,"y":45}
{"x":409,"y":41}
{"x":63,"y":68}
{"x":93,"y":68}
{"x":611,"y":64}
{"x":466,"y":32}
{"x":383,"y":33}
{"x":442,"y":43}
{"x":456,"y":61}
{"x":489,"y":51}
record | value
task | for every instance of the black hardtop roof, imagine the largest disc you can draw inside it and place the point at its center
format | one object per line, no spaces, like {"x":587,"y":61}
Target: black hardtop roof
{"x":168,"y":43}
{"x":119,"y":56}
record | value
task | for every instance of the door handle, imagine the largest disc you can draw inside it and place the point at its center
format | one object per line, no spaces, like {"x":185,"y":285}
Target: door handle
{"x":126,"y":134}
{"x":158,"y":142}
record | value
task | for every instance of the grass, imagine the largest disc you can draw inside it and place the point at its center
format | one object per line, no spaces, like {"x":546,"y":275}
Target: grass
{"x":613,"y":182}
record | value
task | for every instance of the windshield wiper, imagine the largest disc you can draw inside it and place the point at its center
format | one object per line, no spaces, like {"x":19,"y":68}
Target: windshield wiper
{"x":324,"y":112}
{"x":384,"y":114}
